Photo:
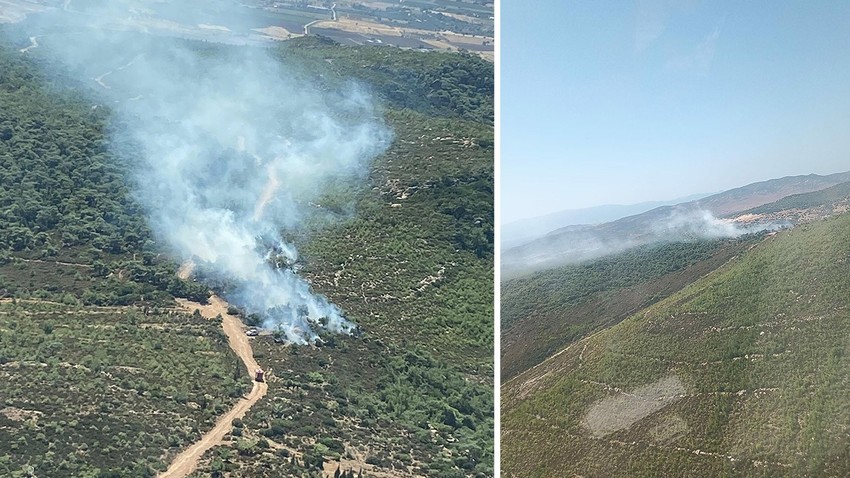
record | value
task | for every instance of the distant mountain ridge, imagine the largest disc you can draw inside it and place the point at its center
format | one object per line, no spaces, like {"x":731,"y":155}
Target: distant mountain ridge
{"x":684,"y":221}
{"x":516,"y":233}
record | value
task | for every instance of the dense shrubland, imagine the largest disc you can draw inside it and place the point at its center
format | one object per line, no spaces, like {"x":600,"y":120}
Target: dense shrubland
{"x":90,"y":391}
{"x":416,"y":276}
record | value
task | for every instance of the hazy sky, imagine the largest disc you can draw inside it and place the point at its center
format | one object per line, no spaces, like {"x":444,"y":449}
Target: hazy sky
{"x":619,"y":102}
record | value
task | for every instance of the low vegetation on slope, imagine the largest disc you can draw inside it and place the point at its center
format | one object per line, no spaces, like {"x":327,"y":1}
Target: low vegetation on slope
{"x":742,"y":373}
{"x":549,"y":310}
{"x":93,"y":391}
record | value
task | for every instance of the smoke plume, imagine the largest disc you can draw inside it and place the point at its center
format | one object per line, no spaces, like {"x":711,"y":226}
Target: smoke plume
{"x":573,"y":244}
{"x":697,"y":224}
{"x":235,"y":150}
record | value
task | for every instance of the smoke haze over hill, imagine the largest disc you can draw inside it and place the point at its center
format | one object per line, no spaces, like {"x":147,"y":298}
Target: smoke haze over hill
{"x":234,"y":150}
{"x":706,"y":218}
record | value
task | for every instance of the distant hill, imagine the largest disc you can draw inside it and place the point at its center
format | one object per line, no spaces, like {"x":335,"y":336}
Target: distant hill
{"x":827,"y":196}
{"x":519,"y":232}
{"x":686,"y":221}
{"x":547,"y":310}
{"x":742,"y":372}
{"x":757,"y":194}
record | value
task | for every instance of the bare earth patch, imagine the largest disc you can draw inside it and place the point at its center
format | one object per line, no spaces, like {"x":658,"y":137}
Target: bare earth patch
{"x":619,"y":411}
{"x":19,"y":414}
{"x":278,"y":33}
{"x":358,"y":465}
{"x":220,"y":28}
{"x":186,"y":269}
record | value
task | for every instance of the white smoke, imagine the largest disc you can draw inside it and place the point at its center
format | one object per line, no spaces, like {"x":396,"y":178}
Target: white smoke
{"x":234,"y":150}
{"x":697,"y":224}
{"x":584,"y":243}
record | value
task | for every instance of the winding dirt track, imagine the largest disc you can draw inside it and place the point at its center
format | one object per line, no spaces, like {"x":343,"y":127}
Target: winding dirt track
{"x":186,"y":462}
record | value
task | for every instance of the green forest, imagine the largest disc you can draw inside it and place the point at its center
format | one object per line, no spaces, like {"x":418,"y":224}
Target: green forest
{"x":72,"y":235}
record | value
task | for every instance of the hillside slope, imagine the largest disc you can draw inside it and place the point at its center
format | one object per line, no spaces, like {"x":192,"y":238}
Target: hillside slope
{"x":742,"y":373}
{"x":547,"y":311}
{"x":689,"y":219}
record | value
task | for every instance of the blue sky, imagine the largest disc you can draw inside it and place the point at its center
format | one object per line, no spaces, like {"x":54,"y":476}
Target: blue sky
{"x":620,"y":102}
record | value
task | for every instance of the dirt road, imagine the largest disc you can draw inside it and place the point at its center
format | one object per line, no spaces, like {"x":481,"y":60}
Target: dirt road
{"x":187,"y":461}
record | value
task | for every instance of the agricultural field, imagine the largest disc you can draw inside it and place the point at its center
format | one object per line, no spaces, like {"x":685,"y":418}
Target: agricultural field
{"x":438,"y":25}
